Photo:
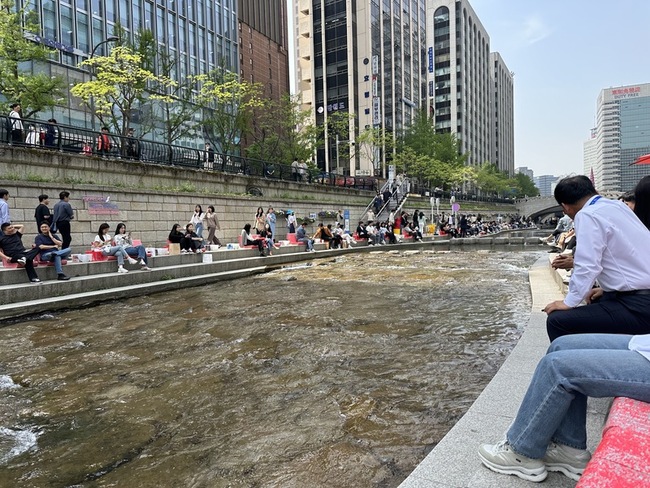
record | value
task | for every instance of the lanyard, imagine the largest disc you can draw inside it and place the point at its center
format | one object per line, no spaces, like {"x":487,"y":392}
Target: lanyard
{"x":595,"y":200}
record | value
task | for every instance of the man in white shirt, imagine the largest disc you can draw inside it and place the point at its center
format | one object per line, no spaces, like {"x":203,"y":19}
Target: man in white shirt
{"x":16,"y":124}
{"x":612,"y":248}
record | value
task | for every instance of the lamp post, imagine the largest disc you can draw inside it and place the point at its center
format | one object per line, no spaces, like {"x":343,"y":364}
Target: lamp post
{"x":92,"y":53}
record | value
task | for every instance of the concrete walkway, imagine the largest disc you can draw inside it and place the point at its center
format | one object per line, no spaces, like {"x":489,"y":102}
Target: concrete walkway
{"x":454,"y":461}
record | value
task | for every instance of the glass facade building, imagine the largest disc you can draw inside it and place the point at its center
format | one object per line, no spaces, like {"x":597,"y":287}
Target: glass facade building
{"x":622,"y":134}
{"x":202,"y":34}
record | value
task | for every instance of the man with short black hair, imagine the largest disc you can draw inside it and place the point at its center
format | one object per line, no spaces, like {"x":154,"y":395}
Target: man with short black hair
{"x":16,"y":123}
{"x":63,"y":214}
{"x":301,"y":236}
{"x":13,"y":250}
{"x":42,"y":212}
{"x":612,"y":249}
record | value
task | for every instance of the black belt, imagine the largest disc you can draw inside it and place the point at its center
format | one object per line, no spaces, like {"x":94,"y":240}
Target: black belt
{"x":631,"y":292}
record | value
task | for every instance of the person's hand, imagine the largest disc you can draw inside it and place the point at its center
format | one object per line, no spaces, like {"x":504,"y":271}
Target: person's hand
{"x":556,"y":305}
{"x":594,"y":295}
{"x":563,"y":261}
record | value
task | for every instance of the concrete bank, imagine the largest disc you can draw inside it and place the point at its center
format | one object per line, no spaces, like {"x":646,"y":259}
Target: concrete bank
{"x":454,"y":462}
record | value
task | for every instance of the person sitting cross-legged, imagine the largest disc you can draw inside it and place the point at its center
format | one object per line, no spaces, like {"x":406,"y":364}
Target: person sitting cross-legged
{"x":50,"y":247}
{"x":123,"y":238}
{"x":549,"y":432}
{"x":248,"y":240}
{"x":13,"y":250}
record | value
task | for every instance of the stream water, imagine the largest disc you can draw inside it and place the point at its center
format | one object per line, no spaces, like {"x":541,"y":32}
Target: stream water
{"x":337,"y":373}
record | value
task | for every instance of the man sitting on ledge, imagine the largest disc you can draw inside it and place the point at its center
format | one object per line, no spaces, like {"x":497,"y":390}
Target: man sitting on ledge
{"x":13,"y":250}
{"x":612,"y":248}
{"x":301,"y":236}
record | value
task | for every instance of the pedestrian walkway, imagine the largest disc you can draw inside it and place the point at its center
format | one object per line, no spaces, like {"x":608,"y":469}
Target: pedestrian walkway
{"x":454,"y":461}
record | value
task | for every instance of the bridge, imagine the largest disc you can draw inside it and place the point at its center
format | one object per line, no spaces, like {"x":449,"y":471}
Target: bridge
{"x":537,"y":207}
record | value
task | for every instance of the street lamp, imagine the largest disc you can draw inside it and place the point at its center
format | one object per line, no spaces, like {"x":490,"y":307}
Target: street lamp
{"x":92,"y":53}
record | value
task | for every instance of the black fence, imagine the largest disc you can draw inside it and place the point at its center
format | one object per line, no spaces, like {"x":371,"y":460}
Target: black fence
{"x":77,"y":140}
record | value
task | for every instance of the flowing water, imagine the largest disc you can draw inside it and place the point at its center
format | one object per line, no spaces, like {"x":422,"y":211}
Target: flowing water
{"x":338,"y":373}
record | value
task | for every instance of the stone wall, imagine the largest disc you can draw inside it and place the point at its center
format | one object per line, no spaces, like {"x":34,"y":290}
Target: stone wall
{"x":150,"y":198}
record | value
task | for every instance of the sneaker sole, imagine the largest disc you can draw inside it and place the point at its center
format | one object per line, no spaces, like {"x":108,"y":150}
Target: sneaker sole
{"x":536,"y":476}
{"x":566,"y":470}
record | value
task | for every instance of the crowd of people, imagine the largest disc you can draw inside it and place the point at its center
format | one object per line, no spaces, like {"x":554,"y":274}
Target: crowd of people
{"x":599,"y":349}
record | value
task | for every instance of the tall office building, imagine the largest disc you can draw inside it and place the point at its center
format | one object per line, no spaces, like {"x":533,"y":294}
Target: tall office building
{"x":503,"y":119}
{"x":545,"y":184}
{"x":365,"y":58}
{"x":622,"y":134}
{"x":526,"y":171}
{"x":470,"y":90}
{"x":263,"y":56}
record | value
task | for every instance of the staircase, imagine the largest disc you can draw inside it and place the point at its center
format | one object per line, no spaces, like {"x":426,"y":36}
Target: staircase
{"x":399,"y":195}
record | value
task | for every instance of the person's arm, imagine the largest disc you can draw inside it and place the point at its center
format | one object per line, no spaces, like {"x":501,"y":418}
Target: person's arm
{"x":69,"y":211}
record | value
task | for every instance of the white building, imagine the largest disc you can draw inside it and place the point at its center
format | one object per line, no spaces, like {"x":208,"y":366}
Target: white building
{"x":622,"y":134}
{"x":503,"y":118}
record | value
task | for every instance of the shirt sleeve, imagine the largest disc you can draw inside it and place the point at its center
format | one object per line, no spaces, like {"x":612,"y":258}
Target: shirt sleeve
{"x":587,"y":261}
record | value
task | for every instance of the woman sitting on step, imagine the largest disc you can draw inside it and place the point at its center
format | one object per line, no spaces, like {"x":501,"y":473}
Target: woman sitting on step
{"x":102,"y":243}
{"x":123,"y":239}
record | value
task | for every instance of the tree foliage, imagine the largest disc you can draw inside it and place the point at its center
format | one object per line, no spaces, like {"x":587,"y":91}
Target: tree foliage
{"x":283,"y":132}
{"x":228,"y":106}
{"x":120,"y":86}
{"x":525,"y":186}
{"x":34,"y":91}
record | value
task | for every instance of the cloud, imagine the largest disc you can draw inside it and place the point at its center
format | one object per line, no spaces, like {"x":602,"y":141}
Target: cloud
{"x":534,"y":29}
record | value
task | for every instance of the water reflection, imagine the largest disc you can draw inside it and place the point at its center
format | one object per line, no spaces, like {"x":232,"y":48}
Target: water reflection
{"x":343,"y":373}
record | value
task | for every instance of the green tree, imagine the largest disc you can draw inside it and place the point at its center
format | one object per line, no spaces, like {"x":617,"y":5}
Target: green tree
{"x":228,"y":105}
{"x":372,"y":143}
{"x":34,"y":91}
{"x":490,"y":180}
{"x":283,"y":132}
{"x":119,"y":87}
{"x":524,"y":186}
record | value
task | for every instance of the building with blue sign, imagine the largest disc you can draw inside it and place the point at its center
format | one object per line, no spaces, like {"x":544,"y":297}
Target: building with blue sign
{"x":469,"y":89}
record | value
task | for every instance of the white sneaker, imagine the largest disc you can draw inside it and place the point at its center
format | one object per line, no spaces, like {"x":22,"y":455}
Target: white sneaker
{"x":500,"y":458}
{"x":132,"y":261}
{"x":122,"y":269}
{"x":145,"y":268}
{"x":567,"y":460}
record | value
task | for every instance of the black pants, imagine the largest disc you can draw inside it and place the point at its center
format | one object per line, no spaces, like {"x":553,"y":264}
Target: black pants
{"x":63,"y":226}
{"x":17,"y":136}
{"x":257,"y":242}
{"x":29,"y":264}
{"x":614,"y":313}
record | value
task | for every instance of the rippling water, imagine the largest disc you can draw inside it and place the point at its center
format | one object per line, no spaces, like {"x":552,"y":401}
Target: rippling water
{"x":340,"y":373}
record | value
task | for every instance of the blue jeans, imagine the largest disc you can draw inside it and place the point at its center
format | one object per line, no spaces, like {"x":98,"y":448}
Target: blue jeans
{"x":308,"y":241}
{"x":137,"y":252}
{"x":575,"y":367}
{"x":56,"y":256}
{"x":118,"y":252}
{"x":199,"y":230}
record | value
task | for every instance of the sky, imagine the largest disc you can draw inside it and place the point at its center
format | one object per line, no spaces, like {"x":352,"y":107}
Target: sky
{"x":563,"y":53}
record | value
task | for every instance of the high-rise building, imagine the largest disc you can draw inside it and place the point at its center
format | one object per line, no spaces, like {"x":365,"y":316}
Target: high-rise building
{"x":545,"y":184}
{"x":263,"y":55}
{"x":622,"y":134}
{"x":526,"y":171}
{"x":365,"y":58}
{"x":503,"y":119}
{"x":470,"y":90}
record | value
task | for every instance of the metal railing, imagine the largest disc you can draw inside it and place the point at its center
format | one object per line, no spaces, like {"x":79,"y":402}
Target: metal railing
{"x":79,"y":140}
